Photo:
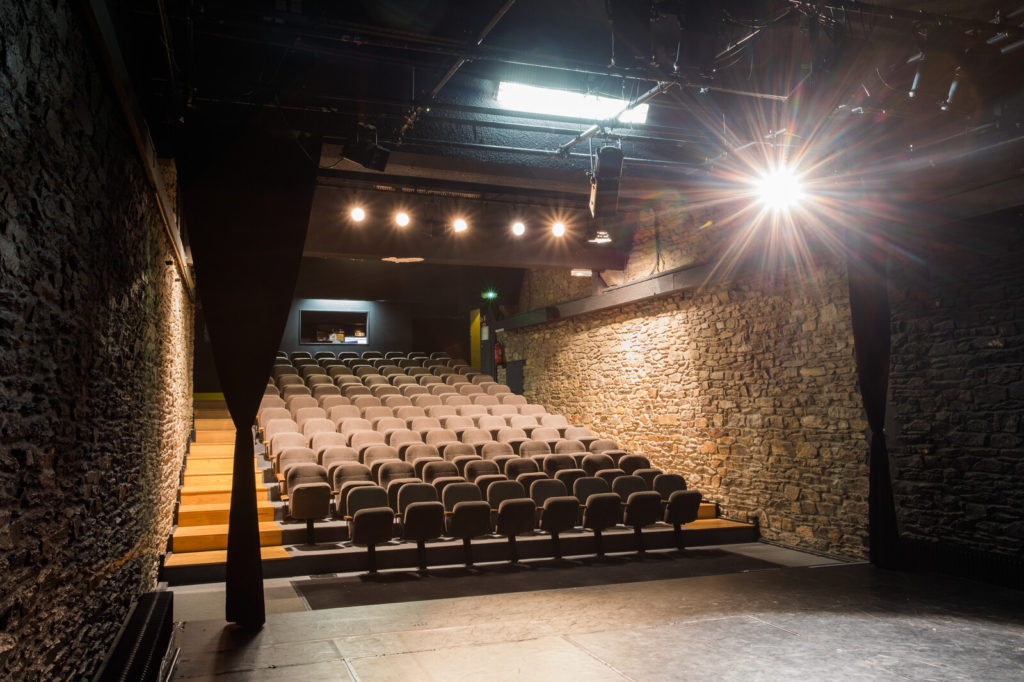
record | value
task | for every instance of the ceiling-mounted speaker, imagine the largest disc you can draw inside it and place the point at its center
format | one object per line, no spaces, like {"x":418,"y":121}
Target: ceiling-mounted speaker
{"x":362,"y":148}
{"x":604,"y":184}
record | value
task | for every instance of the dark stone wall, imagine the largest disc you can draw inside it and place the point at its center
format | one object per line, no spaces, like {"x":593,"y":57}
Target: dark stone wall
{"x":957,"y":387}
{"x":95,"y":348}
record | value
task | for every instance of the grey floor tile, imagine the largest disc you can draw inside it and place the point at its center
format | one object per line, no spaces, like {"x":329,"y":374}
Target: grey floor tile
{"x":328,"y":671}
{"x":254,"y":657}
{"x":547,"y":658}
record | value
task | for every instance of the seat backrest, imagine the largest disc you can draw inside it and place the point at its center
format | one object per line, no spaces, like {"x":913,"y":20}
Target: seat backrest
{"x":499,"y":491}
{"x":469,"y":410}
{"x":400,"y":436}
{"x":294,"y":391}
{"x":543,"y":489}
{"x":424,"y":424}
{"x":456,"y":449}
{"x":353,"y":391}
{"x":377,"y":453}
{"x":496,"y":390}
{"x":415,"y":492}
{"x":624,"y":485}
{"x":491,"y":423}
{"x":503,"y":411}
{"x":268,"y":414}
{"x":331,"y":401}
{"x":467,"y":389}
{"x":320,"y":379}
{"x":586,"y":486}
{"x":389,"y":423}
{"x":459,"y":492}
{"x":420,"y":450}
{"x":523,"y":421}
{"x":326,"y":439}
{"x":555,"y":463}
{"x":364,"y":401}
{"x":440,"y":411}
{"x":577,"y":432}
{"x":318,"y":425}
{"x":365,"y":497}
{"x":360,"y":439}
{"x":276,"y":426}
{"x":666,"y":484}
{"x":408,"y":413}
{"x":602,"y":444}
{"x":457,"y":423}
{"x":292,"y":456}
{"x":335,"y":371}
{"x":304,"y":414}
{"x":297,"y":402}
{"x":289,"y":439}
{"x":512,"y":399}
{"x":475,"y":435}
{"x":595,"y":462}
{"x":340,"y":412}
{"x":343,"y":379}
{"x":521,"y":465}
{"x":455,"y":400}
{"x":545,"y":433}
{"x":392,"y":471}
{"x":425,"y":400}
{"x":440,"y":436}
{"x":441,"y":390}
{"x":631,"y":463}
{"x":555,"y":420}
{"x":337,"y":453}
{"x":433,"y":470}
{"x":351,"y":425}
{"x":304,"y":473}
{"x":480,"y":467}
{"x":569,"y":446}
{"x":492,"y":449}
{"x":534,"y":447}
{"x":509,"y":434}
{"x":486,"y":400}
{"x":396,"y":401}
{"x":289,"y":380}
{"x":527,"y":408}
{"x":350,"y":471}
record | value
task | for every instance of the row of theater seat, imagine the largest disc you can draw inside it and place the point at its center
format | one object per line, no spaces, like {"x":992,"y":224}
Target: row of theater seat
{"x":336,"y":425}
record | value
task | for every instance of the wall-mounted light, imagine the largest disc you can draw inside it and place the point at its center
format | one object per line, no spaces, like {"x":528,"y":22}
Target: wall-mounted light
{"x":402,"y":219}
{"x":518,"y":229}
{"x":357,"y":214}
{"x":558,"y":229}
{"x":460,"y":225}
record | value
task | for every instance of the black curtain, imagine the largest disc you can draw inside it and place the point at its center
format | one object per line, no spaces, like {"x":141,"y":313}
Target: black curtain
{"x":869,"y":307}
{"x":247,"y":191}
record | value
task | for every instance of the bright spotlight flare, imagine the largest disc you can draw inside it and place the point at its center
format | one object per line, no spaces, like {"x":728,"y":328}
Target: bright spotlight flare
{"x":780,"y":189}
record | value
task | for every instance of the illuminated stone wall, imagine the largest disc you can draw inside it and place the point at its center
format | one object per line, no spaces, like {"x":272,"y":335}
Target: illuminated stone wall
{"x":748,"y":389}
{"x":95,"y":355}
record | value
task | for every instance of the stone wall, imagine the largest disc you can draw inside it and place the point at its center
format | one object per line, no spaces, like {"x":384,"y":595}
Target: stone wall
{"x":95,"y":354}
{"x":746,"y":388}
{"x":957,"y":388}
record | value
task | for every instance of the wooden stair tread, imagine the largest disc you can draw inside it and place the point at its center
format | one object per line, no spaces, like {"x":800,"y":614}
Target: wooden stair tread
{"x":214,"y":506}
{"x":215,"y":536}
{"x":216,"y":423}
{"x":708,"y":510}
{"x":702,"y":524}
{"x":219,"y":556}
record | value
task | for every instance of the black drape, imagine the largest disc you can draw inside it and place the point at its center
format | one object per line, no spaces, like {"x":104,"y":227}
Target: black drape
{"x":247,"y":192}
{"x":869,"y":307}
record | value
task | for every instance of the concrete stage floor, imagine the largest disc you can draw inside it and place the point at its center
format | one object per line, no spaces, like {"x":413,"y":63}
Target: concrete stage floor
{"x":733,"y":612}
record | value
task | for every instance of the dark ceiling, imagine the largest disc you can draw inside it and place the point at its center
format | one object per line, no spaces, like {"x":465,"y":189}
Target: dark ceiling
{"x":739,"y":84}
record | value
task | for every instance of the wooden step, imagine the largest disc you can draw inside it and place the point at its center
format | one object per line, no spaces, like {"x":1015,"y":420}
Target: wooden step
{"x":202,"y":538}
{"x":215,"y":435}
{"x":707,"y":524}
{"x":708,"y":510}
{"x":217,"y":465}
{"x":214,"y":494}
{"x":214,"y":480}
{"x":217,"y":513}
{"x":212,"y":449}
{"x":214,"y":424}
{"x":219,"y":556}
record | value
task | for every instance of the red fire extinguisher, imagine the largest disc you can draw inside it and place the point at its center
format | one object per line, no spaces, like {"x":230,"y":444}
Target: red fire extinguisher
{"x":499,"y":353}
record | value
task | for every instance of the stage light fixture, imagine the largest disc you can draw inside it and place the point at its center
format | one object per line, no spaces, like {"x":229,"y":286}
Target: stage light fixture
{"x":558,"y":229}
{"x":460,"y":225}
{"x":402,"y":218}
{"x":518,"y":229}
{"x":604,"y":183}
{"x":780,"y":189}
{"x":361,"y":147}
{"x":357,"y":214}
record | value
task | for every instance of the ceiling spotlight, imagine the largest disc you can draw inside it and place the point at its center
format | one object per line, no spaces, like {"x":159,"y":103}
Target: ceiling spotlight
{"x":558,"y":229}
{"x":357,"y":214}
{"x":460,"y":225}
{"x":402,"y":218}
{"x":600,"y":237}
{"x":780,"y":189}
{"x":518,"y":229}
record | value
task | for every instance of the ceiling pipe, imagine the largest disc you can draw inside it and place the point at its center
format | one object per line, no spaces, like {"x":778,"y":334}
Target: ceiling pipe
{"x":840,"y":7}
{"x":410,"y":120}
{"x":563,"y":150}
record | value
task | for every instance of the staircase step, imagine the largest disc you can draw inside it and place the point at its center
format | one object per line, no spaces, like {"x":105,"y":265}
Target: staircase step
{"x":215,"y":435}
{"x":215,"y":494}
{"x":193,"y":514}
{"x":219,"y":556}
{"x":204,"y":424}
{"x":202,"y":538}
{"x":212,"y":480}
{"x":216,"y":465}
{"x":708,"y":510}
{"x":212,"y":449}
